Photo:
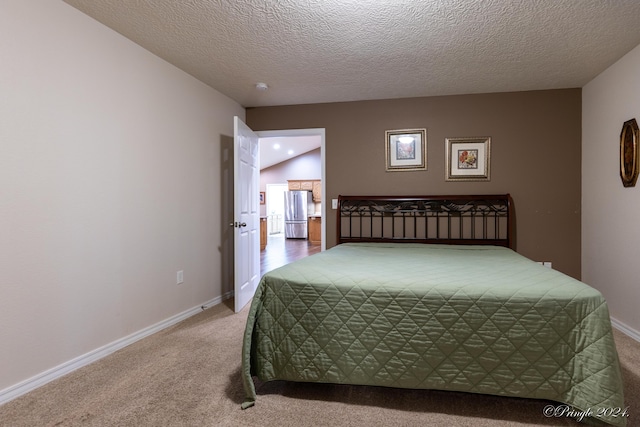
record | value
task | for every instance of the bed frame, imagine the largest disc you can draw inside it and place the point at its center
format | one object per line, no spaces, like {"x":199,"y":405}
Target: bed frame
{"x":431,"y":318}
{"x":476,"y":219}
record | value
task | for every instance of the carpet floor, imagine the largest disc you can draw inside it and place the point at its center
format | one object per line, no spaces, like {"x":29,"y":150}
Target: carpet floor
{"x":189,"y":375}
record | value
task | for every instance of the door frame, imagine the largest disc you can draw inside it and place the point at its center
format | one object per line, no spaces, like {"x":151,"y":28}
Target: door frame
{"x":308,"y":132}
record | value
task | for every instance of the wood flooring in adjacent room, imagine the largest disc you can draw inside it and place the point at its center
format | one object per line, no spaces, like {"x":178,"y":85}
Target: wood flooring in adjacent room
{"x":280,"y":251}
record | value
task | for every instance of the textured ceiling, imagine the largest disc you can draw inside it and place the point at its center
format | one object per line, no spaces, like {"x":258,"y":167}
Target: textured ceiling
{"x":311,"y":51}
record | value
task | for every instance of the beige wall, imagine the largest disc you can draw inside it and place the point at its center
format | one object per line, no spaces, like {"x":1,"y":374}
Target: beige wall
{"x":110,"y":182}
{"x":535,"y":156}
{"x":304,"y":166}
{"x":610,"y":226}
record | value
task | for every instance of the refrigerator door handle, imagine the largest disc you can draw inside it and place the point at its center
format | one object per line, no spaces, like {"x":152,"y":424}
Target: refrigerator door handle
{"x":295,"y":205}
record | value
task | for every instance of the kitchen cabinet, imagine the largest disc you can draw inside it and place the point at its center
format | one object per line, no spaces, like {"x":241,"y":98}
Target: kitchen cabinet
{"x":301,"y":184}
{"x":317,"y":191}
{"x":313,"y":185}
{"x":315,"y":230}
{"x":263,"y":233}
{"x":294,"y":185}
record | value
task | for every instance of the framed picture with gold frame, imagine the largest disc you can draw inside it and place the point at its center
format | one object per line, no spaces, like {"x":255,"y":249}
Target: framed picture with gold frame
{"x":406,"y":149}
{"x":468,"y":159}
{"x":629,"y":156}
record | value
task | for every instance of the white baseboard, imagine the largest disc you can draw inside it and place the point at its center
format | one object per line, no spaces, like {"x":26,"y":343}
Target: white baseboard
{"x":625,"y":329}
{"x":43,"y":378}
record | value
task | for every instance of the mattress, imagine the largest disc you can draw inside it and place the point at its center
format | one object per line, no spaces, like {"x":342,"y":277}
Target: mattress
{"x":479,"y":319}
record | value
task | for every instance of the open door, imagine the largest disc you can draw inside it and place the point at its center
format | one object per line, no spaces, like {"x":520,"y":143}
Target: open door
{"x":246,"y":200}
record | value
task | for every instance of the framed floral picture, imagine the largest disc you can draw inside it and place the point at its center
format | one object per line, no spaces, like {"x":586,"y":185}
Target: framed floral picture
{"x":468,"y":159}
{"x":406,"y":150}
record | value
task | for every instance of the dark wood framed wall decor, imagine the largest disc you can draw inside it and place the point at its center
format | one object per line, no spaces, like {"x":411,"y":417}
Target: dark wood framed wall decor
{"x":629,"y":156}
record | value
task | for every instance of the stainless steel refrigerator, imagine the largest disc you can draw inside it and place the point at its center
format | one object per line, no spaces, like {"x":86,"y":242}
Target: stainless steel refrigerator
{"x":297,"y":206}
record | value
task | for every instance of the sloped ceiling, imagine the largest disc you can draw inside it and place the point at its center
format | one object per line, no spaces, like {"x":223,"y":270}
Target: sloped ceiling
{"x":313,"y":51}
{"x":274,"y":150}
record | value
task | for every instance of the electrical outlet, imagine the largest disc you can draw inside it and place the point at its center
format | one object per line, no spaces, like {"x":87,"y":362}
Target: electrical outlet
{"x":180,"y":277}
{"x":547,"y":264}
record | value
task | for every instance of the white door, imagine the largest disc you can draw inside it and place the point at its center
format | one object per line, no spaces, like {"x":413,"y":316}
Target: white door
{"x":246,"y":201}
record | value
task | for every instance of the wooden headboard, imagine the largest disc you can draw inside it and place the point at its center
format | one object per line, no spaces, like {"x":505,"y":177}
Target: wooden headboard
{"x":463,"y":220}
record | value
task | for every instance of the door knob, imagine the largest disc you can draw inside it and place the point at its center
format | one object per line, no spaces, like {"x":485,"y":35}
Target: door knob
{"x":238,"y":224}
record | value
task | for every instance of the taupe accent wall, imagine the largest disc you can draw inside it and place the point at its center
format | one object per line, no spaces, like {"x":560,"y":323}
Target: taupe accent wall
{"x":535,"y":156}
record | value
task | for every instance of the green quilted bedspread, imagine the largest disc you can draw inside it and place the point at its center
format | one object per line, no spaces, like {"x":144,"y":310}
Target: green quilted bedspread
{"x":478,"y":319}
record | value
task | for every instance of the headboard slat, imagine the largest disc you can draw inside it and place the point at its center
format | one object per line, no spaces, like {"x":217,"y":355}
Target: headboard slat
{"x":460,"y":219}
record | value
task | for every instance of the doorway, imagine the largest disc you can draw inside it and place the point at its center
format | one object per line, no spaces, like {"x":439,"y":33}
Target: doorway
{"x":319,"y":132}
{"x":278,"y":250}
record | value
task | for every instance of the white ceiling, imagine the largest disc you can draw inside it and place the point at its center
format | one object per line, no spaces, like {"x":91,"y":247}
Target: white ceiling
{"x":278,"y":149}
{"x":312,"y":51}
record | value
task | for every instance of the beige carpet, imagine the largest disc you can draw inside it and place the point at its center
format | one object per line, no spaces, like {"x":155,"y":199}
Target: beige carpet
{"x":189,"y":375}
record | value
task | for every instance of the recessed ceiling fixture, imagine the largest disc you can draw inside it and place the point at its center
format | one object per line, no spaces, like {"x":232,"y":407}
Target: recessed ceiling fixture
{"x":290,"y":152}
{"x":276,"y":146}
{"x":262,"y":86}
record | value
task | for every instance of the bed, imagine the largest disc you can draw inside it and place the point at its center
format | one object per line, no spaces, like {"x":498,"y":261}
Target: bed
{"x":429,"y":293}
